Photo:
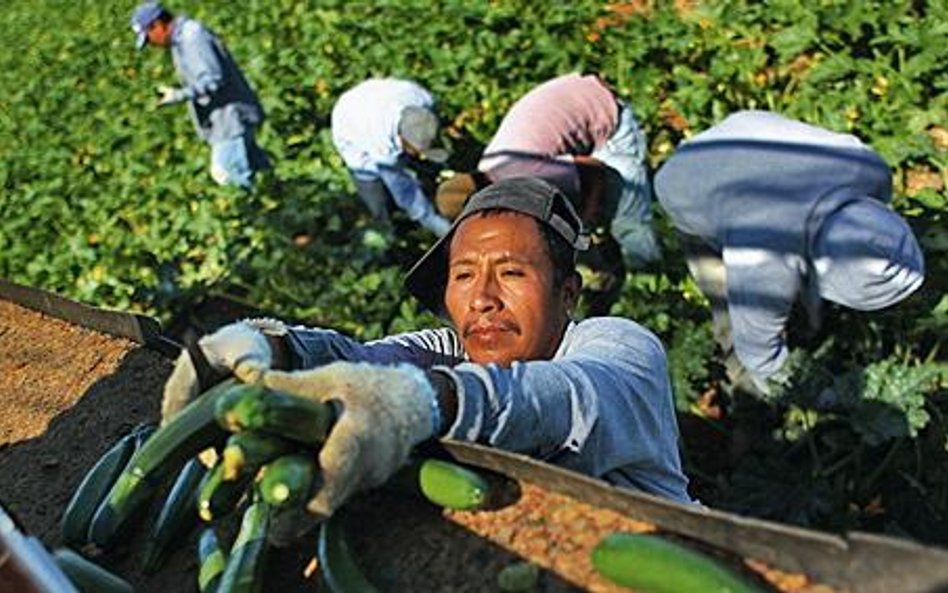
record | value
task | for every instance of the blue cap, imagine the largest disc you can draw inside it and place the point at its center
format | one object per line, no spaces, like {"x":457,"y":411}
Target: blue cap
{"x":866,"y":256}
{"x":143,"y":17}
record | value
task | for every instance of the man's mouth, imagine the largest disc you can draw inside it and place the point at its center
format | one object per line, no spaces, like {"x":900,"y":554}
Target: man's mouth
{"x":487,"y":329}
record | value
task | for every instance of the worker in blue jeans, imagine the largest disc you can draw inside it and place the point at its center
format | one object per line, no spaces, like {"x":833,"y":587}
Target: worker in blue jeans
{"x":223,"y":106}
{"x":384,"y":130}
{"x":778,"y":217}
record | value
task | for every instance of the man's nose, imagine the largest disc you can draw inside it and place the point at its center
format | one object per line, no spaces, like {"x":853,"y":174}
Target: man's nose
{"x":486,"y":294}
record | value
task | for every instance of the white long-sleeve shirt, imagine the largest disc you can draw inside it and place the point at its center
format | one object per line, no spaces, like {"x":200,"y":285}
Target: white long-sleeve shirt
{"x":365,"y":132}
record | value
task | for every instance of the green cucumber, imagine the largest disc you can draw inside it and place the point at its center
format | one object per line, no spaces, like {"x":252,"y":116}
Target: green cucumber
{"x":254,"y":407}
{"x":212,"y":560}
{"x":519,"y":577}
{"x":245,"y":567}
{"x":453,"y":486}
{"x":652,"y":564}
{"x":96,"y":485}
{"x":247,"y":451}
{"x":88,"y":576}
{"x":288,"y":480}
{"x":218,"y":496}
{"x":188,"y":433}
{"x":177,"y":515}
{"x":340,"y":570}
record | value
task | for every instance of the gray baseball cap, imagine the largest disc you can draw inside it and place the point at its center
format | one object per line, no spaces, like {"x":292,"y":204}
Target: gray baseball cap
{"x":419,"y":127}
{"x":145,"y":14}
{"x":528,"y":195}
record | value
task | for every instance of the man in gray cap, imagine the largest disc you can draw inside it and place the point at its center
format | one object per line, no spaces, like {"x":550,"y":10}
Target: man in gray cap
{"x":774,"y":212}
{"x":224,"y":108}
{"x":384,"y":129}
{"x":513,"y":371}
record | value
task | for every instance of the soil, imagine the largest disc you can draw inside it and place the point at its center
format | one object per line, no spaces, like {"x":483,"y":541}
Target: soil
{"x":68,"y":393}
{"x":405,"y":543}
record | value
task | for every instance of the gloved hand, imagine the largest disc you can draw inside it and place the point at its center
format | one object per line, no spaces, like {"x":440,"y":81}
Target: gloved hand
{"x":169,"y":95}
{"x":240,"y":348}
{"x":384,"y":412}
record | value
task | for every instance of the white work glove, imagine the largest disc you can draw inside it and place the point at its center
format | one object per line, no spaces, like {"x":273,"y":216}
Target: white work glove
{"x":169,"y":95}
{"x":383,"y":411}
{"x":240,"y":349}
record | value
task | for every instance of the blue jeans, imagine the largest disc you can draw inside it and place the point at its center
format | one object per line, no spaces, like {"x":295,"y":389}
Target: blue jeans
{"x":625,"y":152}
{"x":707,"y":268}
{"x":398,"y":186}
{"x":235,"y":160}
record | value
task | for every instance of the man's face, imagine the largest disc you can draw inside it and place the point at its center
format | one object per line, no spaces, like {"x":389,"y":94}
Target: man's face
{"x":159,"y":33}
{"x":500,"y":293}
{"x":408,"y":148}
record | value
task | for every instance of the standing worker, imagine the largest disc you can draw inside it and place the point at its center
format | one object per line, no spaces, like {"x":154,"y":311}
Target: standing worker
{"x":384,"y":129}
{"x":776,"y":211}
{"x":563,"y":131}
{"x":224,"y":108}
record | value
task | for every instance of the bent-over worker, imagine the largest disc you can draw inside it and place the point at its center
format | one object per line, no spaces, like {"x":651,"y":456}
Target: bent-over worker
{"x":776,"y":211}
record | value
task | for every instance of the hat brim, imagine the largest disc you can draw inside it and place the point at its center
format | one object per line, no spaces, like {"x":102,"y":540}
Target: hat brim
{"x":435,"y":155}
{"x":427,"y":278}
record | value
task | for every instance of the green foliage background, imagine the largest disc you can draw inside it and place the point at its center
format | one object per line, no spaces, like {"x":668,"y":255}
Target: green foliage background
{"x":107,"y":199}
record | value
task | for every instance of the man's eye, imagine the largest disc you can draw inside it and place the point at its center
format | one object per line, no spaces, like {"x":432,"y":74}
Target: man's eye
{"x":460,"y":276}
{"x":512,"y":273}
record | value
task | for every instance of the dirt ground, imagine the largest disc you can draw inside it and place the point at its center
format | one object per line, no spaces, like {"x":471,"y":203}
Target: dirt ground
{"x":68,"y":393}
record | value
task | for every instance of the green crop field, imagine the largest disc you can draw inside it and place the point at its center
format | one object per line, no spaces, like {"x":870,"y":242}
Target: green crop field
{"x":107,"y":199}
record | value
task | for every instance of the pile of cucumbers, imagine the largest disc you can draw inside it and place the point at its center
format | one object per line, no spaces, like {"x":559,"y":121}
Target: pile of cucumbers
{"x":267,"y":444}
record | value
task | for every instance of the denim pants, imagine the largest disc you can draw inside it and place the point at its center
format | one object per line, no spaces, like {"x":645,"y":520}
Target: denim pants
{"x":234,"y":160}
{"x":377,"y":195}
{"x":631,"y":226}
{"x":707,"y":268}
